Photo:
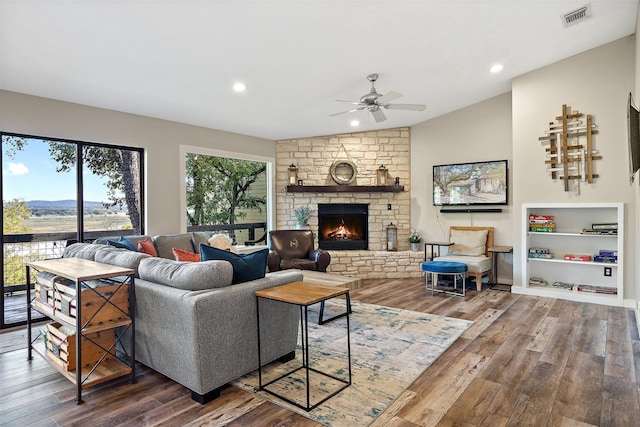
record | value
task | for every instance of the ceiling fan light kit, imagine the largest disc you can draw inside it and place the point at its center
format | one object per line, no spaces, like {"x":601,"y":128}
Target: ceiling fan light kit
{"x":375,"y":102}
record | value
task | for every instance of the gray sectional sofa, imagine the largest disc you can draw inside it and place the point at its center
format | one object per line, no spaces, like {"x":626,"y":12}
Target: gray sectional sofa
{"x":191,"y":324}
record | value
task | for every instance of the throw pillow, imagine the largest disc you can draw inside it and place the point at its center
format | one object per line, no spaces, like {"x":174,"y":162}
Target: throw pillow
{"x":468,"y":242}
{"x":181,"y":255}
{"x":245,"y":267}
{"x":222,"y":241}
{"x":123,"y":243}
{"x":146,"y":247}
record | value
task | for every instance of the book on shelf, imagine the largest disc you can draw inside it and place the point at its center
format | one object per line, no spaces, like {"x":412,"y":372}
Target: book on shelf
{"x":542,"y":229}
{"x":605,"y":226}
{"x":542,"y":225}
{"x":605,"y":259}
{"x":533,"y":217}
{"x":562,"y":285}
{"x":608,"y":252}
{"x":597,"y":289}
{"x":577,"y":257}
{"x":602,"y":232}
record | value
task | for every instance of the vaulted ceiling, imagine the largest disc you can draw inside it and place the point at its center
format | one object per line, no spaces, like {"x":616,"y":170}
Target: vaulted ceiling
{"x":178,"y":60}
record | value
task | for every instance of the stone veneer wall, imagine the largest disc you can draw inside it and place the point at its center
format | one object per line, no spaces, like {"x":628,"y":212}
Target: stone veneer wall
{"x":367,"y":150}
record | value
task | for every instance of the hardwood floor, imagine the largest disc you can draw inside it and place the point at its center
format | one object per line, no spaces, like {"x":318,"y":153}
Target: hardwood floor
{"x":526,"y":361}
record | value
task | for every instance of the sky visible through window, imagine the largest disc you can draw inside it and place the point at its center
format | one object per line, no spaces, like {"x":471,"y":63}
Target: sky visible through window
{"x":31,"y":175}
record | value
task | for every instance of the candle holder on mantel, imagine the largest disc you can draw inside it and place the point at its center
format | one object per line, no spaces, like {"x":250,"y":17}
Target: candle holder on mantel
{"x":381,"y":175}
{"x":292,"y":174}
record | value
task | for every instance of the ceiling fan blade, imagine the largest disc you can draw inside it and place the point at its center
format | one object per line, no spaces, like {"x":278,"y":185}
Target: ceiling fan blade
{"x":378,"y":115}
{"x":412,"y":107}
{"x":388,"y":97}
{"x":348,"y":111}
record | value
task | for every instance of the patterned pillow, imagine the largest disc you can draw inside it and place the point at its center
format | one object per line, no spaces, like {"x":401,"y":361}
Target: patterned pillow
{"x":146,"y":247}
{"x":245,"y":267}
{"x":181,"y":255}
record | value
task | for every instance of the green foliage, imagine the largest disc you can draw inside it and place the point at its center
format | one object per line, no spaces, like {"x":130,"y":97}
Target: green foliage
{"x":218,"y":189}
{"x":14,"y":214}
{"x":303,"y":214}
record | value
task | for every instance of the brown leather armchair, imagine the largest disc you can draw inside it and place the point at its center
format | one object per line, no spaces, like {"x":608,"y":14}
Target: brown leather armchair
{"x":295,"y":249}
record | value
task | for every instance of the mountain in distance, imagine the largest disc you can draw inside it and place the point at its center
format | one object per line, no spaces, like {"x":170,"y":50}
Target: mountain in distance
{"x":61,"y":204}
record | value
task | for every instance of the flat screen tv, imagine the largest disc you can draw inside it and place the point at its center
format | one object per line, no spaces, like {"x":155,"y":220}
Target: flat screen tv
{"x":468,"y":184}
{"x":633,"y":127}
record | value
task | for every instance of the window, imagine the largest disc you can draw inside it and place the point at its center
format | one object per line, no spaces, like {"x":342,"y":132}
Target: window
{"x":227,"y":194}
{"x":58,"y":191}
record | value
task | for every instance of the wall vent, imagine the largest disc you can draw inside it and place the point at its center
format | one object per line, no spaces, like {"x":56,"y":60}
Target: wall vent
{"x":576,"y":16}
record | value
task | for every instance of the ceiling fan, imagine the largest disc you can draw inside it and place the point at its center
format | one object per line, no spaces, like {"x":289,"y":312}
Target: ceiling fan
{"x":374,"y":102}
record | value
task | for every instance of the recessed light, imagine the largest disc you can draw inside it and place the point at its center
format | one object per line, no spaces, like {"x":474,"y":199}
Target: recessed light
{"x":496,"y":68}
{"x":239,"y":87}
{"x":355,"y":123}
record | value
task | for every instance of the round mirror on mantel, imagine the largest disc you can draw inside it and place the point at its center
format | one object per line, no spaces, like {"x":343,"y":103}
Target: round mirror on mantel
{"x":343,"y":172}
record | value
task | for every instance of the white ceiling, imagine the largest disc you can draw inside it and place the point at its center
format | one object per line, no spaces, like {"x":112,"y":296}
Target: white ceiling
{"x":177,"y":59}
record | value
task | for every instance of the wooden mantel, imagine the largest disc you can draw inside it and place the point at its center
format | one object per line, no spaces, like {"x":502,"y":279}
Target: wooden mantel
{"x":345,"y":188}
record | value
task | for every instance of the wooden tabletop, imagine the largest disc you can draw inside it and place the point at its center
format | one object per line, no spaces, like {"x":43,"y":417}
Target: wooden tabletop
{"x":301,"y":293}
{"x":80,"y":269}
{"x":439,"y":243}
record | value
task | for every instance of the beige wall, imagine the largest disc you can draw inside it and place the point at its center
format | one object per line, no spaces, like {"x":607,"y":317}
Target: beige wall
{"x":476,"y":133}
{"x":596,"y":82}
{"x":161,"y":140}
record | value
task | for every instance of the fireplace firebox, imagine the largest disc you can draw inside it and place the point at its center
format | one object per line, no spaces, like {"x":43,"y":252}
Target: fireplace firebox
{"x":343,"y":226}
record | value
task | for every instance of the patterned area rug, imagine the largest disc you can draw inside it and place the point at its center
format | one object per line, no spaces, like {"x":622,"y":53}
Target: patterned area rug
{"x":390,"y":348}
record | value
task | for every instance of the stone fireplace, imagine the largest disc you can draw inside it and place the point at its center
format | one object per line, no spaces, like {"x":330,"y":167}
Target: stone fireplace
{"x":313,"y":158}
{"x":343,"y":226}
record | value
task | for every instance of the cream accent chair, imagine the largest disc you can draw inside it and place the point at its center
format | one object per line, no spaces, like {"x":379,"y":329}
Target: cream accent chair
{"x":471,"y":247}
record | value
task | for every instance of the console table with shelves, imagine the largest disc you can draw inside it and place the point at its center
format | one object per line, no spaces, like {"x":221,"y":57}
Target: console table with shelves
{"x":572,"y":225}
{"x":81,"y":342}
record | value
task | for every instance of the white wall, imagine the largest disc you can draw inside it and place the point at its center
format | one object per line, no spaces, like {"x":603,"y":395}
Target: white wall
{"x":596,"y":82}
{"x":161,"y":140}
{"x":476,"y":133}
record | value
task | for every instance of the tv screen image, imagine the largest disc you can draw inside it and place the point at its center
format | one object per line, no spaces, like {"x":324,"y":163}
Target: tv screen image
{"x":478,"y":183}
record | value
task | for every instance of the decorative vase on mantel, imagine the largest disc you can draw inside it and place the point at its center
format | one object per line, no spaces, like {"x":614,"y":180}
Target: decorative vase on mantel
{"x":415,"y":246}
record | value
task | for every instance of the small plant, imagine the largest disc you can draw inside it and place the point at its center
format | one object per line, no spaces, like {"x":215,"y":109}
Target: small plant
{"x":414,"y":236}
{"x":303,"y":213}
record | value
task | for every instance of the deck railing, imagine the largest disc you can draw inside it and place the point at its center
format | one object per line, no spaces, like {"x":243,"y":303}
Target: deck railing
{"x":18,"y":249}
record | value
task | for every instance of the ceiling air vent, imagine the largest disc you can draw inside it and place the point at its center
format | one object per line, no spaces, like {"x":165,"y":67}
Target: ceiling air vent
{"x":576,"y":16}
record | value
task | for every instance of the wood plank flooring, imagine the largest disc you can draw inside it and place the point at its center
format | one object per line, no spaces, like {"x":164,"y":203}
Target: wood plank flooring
{"x":526,"y":361}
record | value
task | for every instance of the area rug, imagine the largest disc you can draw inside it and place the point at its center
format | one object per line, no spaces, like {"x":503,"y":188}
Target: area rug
{"x":390,"y":348}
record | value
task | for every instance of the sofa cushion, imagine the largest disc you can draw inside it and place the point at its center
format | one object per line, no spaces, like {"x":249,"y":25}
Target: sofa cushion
{"x":199,"y":237}
{"x":166,"y":243}
{"x":84,"y":250}
{"x":468,"y":242}
{"x":146,"y":247}
{"x":119,"y":257}
{"x":123,"y":243}
{"x":245,"y":267}
{"x":475,"y":264}
{"x":180,"y":255}
{"x":191,"y":276}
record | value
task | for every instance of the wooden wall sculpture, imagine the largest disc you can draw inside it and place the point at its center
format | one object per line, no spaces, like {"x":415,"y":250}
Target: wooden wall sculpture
{"x":570,"y":152}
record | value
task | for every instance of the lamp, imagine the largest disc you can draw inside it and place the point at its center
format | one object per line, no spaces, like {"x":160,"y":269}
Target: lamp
{"x":293,"y":174}
{"x":392,"y":237}
{"x":381,"y":175}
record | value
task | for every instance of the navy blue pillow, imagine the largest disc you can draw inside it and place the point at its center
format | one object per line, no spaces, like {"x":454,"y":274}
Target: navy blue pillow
{"x":245,"y":267}
{"x":123,"y":243}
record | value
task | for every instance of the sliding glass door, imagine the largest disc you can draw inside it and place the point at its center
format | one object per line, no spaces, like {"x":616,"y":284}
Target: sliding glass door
{"x":56,"y":192}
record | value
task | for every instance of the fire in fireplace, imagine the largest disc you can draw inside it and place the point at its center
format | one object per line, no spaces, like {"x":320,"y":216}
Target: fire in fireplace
{"x":343,"y":226}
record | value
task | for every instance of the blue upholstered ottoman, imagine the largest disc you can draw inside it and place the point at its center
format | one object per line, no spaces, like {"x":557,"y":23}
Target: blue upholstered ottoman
{"x":436,"y":268}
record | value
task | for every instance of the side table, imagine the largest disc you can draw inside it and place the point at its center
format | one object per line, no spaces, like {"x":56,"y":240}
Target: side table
{"x":304,"y":294}
{"x":499,"y":250}
{"x":432,"y":245}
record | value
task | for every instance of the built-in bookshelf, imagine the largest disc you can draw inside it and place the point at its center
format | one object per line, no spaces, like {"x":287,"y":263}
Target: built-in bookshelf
{"x":573,"y":251}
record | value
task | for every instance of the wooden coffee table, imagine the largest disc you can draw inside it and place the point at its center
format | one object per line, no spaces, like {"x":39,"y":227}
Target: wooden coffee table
{"x":304,"y":294}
